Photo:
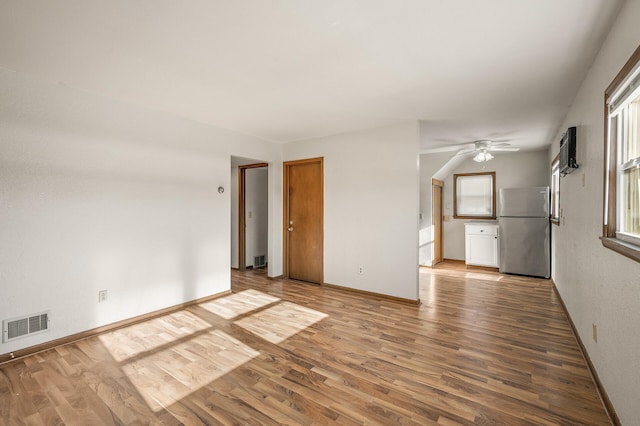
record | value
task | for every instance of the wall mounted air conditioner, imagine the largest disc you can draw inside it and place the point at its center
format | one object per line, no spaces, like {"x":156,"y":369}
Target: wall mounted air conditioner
{"x":568,"y":161}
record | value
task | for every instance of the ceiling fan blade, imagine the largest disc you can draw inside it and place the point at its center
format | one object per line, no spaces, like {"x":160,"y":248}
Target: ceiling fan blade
{"x":465,"y":151}
{"x":441,"y":149}
{"x":477,"y":145}
{"x":505,"y":149}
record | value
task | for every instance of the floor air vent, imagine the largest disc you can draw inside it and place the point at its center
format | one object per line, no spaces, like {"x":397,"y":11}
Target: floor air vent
{"x":24,"y":326}
{"x":259,"y":261}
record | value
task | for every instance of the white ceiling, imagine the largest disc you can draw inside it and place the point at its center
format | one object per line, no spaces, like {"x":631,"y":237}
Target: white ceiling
{"x":292,"y":70}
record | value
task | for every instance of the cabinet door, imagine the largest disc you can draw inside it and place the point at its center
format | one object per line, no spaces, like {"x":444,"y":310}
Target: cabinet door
{"x":482,"y":250}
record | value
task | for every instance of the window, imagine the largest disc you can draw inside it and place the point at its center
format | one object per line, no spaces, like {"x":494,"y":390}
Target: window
{"x":474,"y":195}
{"x":555,"y":190}
{"x":621,"y":224}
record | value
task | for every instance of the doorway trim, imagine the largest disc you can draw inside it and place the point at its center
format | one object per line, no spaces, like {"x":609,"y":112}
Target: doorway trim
{"x":286,"y":166}
{"x":242,"y":222}
{"x":438,"y":239}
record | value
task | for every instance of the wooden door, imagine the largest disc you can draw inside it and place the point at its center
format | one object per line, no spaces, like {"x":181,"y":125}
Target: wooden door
{"x":303,"y":220}
{"x":436,"y":220}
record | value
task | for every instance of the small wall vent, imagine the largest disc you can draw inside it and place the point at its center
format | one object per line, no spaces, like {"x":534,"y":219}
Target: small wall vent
{"x":24,"y":326}
{"x":259,"y":261}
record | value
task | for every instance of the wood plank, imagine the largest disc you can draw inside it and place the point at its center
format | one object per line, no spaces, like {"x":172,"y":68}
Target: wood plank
{"x":483,"y":348}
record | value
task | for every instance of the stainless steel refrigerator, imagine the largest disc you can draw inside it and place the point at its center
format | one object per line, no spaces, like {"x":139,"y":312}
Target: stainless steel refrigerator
{"x":523,"y":217}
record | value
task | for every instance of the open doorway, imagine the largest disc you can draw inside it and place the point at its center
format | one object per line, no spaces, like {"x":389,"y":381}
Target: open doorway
{"x":249,"y":213}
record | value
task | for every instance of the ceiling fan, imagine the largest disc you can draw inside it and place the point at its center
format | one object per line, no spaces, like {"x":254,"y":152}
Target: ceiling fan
{"x":482,"y":149}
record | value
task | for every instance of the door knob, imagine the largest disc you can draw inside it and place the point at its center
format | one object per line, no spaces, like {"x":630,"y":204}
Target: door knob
{"x":290,"y":228}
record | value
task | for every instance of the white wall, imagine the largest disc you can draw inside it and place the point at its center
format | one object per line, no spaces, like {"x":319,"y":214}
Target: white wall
{"x":256,"y":210}
{"x":598,"y":285}
{"x":370,"y":207}
{"x":100,"y":195}
{"x":274,"y":252}
{"x":520,"y":169}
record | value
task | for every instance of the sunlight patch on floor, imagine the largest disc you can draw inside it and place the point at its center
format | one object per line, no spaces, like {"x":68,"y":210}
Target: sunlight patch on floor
{"x":167,"y":376}
{"x":280,"y":322}
{"x":170,"y":357}
{"x":232,"y":306}
{"x":136,"y":339}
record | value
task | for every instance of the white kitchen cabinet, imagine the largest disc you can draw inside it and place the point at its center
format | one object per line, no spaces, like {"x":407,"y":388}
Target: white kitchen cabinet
{"x":482,"y":244}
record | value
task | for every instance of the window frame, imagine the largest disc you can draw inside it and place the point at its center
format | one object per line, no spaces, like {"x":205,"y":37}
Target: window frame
{"x":554,"y":211}
{"x":609,"y":237}
{"x":492,"y":216}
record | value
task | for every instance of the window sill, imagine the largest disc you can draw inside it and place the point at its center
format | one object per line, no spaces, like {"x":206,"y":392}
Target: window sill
{"x":555,"y":221}
{"x":626,"y":249}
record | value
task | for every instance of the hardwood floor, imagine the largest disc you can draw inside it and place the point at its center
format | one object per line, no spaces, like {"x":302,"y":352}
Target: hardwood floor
{"x":483,"y":348}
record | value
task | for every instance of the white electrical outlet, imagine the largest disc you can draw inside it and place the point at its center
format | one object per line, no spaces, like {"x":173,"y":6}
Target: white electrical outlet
{"x":102,"y":296}
{"x":361,"y":270}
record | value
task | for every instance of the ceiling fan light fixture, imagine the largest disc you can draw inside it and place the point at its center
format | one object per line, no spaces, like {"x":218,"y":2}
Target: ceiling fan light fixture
{"x":482,"y":155}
